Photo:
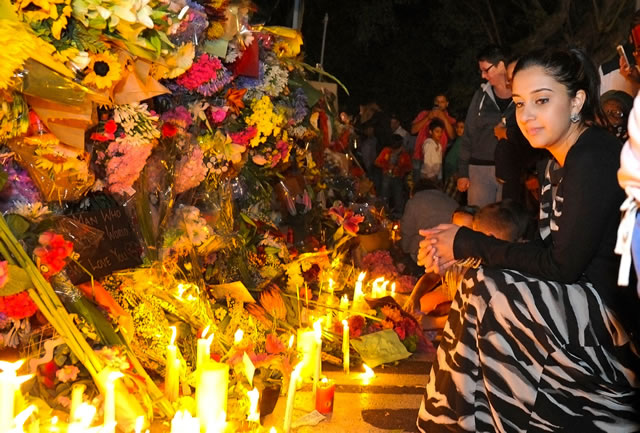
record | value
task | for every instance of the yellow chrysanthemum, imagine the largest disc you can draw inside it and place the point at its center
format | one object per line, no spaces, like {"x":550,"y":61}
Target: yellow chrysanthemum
{"x":17,"y":44}
{"x":103,"y":70}
{"x":215,"y":30}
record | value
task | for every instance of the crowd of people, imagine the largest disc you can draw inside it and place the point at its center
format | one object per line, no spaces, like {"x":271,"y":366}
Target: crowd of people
{"x":513,"y":212}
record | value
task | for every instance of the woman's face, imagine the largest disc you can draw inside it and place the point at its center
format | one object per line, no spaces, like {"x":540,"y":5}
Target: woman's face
{"x":543,"y":108}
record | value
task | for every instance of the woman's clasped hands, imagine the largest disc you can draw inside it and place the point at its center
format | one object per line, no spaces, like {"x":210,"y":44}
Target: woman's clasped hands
{"x":436,"y":249}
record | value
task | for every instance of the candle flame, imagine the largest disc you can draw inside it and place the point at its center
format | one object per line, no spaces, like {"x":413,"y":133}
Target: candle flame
{"x":395,"y":227}
{"x":324,"y":380}
{"x":85,"y":413}
{"x":173,"y":335}
{"x":345,"y":324}
{"x":331,"y":286}
{"x":368,"y":373}
{"x":204,"y":332}
{"x":11,"y":366}
{"x":139,"y":424}
{"x":273,"y":430}
{"x":291,"y":341}
{"x":237,"y":338}
{"x":393,"y":288}
{"x":383,"y":289}
{"x":22,"y":417}
{"x":210,"y":339}
{"x":113,"y":376}
{"x":362,"y":276}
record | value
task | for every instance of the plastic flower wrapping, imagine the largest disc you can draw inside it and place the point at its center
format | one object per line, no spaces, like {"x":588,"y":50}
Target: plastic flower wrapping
{"x":167,"y":164}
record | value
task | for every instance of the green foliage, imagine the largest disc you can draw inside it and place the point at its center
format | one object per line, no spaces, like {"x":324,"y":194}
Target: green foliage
{"x":18,"y":281}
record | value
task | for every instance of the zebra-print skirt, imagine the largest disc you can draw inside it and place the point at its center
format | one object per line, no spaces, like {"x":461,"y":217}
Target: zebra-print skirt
{"x":523,"y":355}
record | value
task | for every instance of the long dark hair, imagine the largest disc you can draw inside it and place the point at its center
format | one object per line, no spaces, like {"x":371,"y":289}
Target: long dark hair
{"x":575,"y":70}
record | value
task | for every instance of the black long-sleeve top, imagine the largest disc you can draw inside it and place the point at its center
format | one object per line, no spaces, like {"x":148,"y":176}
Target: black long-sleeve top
{"x":582,"y":247}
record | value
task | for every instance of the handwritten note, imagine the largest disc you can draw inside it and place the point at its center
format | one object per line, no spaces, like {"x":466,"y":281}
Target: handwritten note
{"x":118,"y":247}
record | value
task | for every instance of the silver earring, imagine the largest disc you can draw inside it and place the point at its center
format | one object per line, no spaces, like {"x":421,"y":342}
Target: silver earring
{"x":574,"y":118}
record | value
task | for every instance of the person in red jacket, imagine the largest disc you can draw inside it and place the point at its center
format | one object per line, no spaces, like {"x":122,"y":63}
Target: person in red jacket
{"x":395,"y":164}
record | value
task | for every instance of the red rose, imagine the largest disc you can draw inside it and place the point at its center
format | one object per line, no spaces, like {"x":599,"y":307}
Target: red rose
{"x":169,"y":130}
{"x":110,"y":127}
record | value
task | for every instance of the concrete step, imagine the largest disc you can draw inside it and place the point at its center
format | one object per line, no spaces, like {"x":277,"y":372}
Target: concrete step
{"x":389,"y":402}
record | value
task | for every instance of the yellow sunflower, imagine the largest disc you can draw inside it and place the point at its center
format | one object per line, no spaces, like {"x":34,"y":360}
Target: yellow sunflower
{"x":103,"y":70}
{"x":17,"y":44}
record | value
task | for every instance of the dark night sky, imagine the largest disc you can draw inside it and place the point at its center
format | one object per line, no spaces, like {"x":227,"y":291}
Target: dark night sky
{"x":402,"y":52}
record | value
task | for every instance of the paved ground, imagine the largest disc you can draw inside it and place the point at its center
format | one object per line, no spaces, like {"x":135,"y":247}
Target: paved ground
{"x":389,"y":402}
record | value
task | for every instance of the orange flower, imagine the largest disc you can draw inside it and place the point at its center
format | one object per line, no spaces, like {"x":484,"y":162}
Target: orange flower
{"x":271,"y":300}
{"x":259,"y":313}
{"x":234,"y":99}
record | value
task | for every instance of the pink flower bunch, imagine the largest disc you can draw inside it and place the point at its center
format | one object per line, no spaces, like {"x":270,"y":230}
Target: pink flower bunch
{"x":380,"y":264}
{"x":244,"y":137}
{"x":218,"y":114}
{"x":4,"y":273}
{"x":346,"y":218}
{"x":206,"y":76}
{"x":190,"y":170}
{"x":179,"y":116}
{"x":126,"y":161}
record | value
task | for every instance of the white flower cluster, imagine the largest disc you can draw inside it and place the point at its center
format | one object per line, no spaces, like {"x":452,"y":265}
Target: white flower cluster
{"x":137,"y":121}
{"x":275,"y":80}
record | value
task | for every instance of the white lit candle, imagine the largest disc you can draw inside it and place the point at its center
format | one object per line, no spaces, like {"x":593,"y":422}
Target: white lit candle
{"x":212,"y":386}
{"x":77,"y":392}
{"x":291,"y":395}
{"x":9,"y":384}
{"x":110,"y":402}
{"x":393,"y":290}
{"x":383,"y":288}
{"x":306,"y":344}
{"x":172,"y":377}
{"x":344,"y":306}
{"x":358,"y":294}
{"x":203,"y":352}
{"x":317,"y":329}
{"x":345,"y":346}
{"x":375,"y":287}
{"x":254,"y":413}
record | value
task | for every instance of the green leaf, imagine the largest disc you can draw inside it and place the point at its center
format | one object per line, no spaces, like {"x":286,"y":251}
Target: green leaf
{"x":247,"y":219}
{"x":18,"y":281}
{"x":164,"y":38}
{"x":155,"y":43}
{"x":18,"y":224}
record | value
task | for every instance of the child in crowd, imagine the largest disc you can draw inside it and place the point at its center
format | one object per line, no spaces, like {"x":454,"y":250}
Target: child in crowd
{"x":432,"y":151}
{"x":395,"y":164}
{"x":450,"y":164}
{"x":505,"y":220}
